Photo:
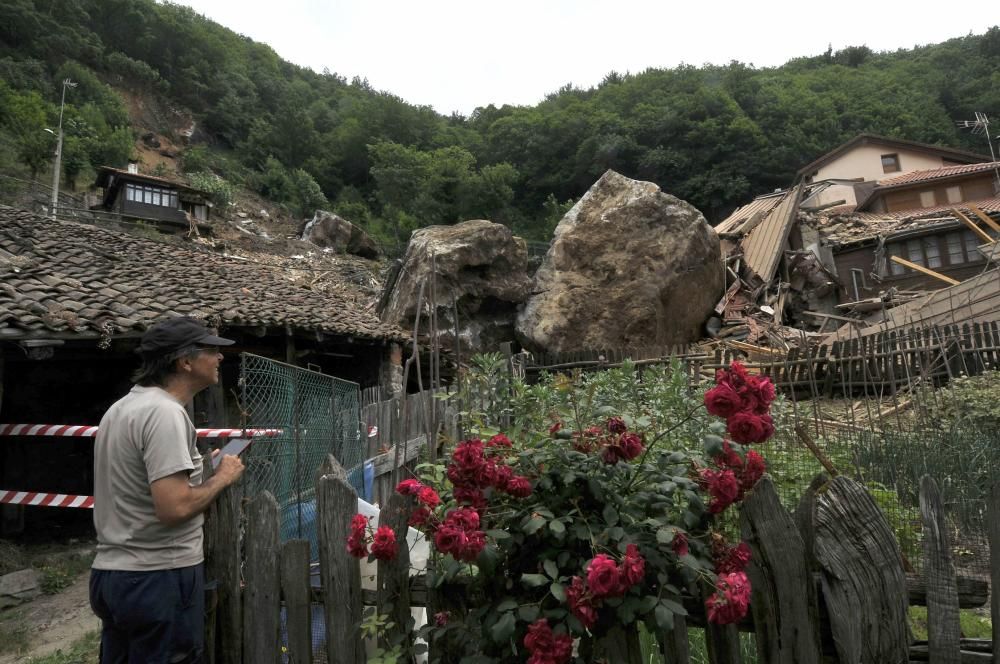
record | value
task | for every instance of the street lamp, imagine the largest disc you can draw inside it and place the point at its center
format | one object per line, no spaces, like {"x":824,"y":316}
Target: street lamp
{"x":55,"y":175}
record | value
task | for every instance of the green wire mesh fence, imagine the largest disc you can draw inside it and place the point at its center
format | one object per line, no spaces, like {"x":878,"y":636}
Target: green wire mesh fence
{"x":317,"y":415}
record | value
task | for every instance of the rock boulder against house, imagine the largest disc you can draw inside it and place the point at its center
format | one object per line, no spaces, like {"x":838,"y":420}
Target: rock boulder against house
{"x":330,"y":231}
{"x":479,"y":266}
{"x":629,"y":265}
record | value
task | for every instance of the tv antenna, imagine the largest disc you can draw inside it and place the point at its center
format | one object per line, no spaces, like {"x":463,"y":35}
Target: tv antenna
{"x":981,"y":125}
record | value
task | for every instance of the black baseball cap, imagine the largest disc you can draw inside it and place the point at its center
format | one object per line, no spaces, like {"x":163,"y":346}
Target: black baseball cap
{"x":177,"y":334}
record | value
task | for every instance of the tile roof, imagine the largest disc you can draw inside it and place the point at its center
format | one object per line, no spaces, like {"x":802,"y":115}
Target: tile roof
{"x":914,"y":177}
{"x":844,"y":229}
{"x":77,"y":279}
{"x":104,"y":171}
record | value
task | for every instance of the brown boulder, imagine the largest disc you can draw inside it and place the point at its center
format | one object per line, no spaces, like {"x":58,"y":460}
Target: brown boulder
{"x":331,"y":231}
{"x":629,"y":266}
{"x":480,"y":264}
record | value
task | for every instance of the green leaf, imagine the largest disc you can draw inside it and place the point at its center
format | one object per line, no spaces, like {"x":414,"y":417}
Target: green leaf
{"x":503,"y":629}
{"x":610,"y":515}
{"x":498,"y":534}
{"x":664,"y":619}
{"x":551,"y":569}
{"x":674,"y":607}
{"x":534,"y":580}
{"x":506,"y":605}
{"x":558,"y":591}
{"x":528,"y":613}
{"x":532,"y":525}
{"x":665,"y":535}
{"x":557,"y":527}
{"x":581,"y":531}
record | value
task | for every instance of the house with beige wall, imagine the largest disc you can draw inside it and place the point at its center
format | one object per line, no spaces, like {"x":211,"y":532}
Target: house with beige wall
{"x":852,"y":169}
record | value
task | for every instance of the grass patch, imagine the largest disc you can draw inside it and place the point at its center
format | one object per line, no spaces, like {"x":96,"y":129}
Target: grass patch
{"x":83,"y":651}
{"x":973,"y":625}
{"x":58,"y":572}
{"x":14,"y":636}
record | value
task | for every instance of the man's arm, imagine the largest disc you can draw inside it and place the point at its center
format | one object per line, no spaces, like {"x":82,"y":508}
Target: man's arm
{"x":176,"y":501}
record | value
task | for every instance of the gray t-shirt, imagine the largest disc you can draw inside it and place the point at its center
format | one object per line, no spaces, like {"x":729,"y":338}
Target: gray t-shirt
{"x":146,"y":435}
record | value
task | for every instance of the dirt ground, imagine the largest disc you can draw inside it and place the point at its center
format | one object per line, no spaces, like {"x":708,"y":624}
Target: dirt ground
{"x":53,"y":622}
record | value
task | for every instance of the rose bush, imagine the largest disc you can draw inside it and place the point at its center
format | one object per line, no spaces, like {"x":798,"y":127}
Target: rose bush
{"x":595,"y":508}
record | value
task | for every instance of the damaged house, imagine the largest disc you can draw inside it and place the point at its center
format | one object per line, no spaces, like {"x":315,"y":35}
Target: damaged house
{"x":76,"y":298}
{"x":839,"y":243}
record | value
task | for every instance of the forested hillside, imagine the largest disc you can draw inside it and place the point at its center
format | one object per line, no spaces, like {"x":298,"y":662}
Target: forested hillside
{"x":713,"y":135}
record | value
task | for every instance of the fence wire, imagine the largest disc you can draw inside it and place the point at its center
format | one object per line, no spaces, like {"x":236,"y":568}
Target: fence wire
{"x":317,"y":415}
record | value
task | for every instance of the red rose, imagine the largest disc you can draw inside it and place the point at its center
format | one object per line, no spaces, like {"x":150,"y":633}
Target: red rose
{"x":499,"y":440}
{"x":475,"y":542}
{"x":729,"y":458}
{"x":486,"y":474}
{"x":633,"y":567}
{"x":723,"y":400}
{"x":680,"y":543}
{"x":519,"y":487}
{"x":441,"y":618}
{"x":539,"y":637}
{"x":562,"y":649}
{"x":611,"y":455}
{"x":502,"y":476}
{"x":465,"y":518}
{"x":753,"y":470}
{"x":603,"y":576}
{"x":731,"y":599}
{"x":747,"y":428}
{"x":449,"y":538}
{"x":357,"y":547}
{"x":419,"y":517}
{"x":616,"y":425}
{"x":631,"y":445}
{"x":428,"y":497}
{"x":763,"y":389}
{"x":735,"y":376}
{"x":469,"y":455}
{"x":470,"y":496}
{"x":723,"y":487}
{"x":554,"y":429}
{"x":384,"y":545}
{"x":409,"y":487}
{"x":733,"y":559}
{"x":580,"y":603}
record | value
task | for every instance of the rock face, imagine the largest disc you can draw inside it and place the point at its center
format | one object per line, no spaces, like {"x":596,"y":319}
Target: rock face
{"x":330,"y":231}
{"x":18,"y":587}
{"x":479,"y":263}
{"x":629,"y":266}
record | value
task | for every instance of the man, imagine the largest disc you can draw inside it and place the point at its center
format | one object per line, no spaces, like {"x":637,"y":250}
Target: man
{"x":147,"y":582}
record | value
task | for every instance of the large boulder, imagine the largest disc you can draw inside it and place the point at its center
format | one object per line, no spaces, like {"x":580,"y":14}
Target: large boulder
{"x":330,"y":231}
{"x":480,"y":264}
{"x":629,"y":266}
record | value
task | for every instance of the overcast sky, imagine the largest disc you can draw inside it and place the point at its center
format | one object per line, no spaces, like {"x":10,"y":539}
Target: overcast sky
{"x":456,"y":55}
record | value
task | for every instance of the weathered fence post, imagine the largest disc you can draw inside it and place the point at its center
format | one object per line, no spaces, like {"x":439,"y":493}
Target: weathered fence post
{"x":262,"y":597}
{"x":862,"y":572}
{"x":224,"y":567}
{"x":394,"y":575}
{"x":619,"y":645}
{"x":337,"y":503}
{"x":723,"y":644}
{"x":943,"y":630}
{"x":993,"y":533}
{"x":298,"y":607}
{"x":674,"y":645}
{"x":785,"y":613}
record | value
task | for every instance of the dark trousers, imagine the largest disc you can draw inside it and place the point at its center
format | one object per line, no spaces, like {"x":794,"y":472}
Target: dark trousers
{"x":150,"y":617}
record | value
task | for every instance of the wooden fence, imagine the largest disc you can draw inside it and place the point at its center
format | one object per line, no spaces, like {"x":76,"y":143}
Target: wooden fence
{"x":828,"y":584}
{"x":879,"y":363}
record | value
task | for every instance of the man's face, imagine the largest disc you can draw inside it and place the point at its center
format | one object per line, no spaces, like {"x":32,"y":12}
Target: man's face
{"x":205,"y":361}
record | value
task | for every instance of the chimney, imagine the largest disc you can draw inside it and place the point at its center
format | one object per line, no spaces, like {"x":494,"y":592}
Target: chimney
{"x":133,"y":166}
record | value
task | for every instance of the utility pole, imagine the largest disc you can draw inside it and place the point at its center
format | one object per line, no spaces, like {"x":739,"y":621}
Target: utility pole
{"x":59,"y":141}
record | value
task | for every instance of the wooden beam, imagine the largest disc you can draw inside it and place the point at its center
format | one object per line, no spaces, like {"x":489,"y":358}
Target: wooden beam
{"x":927,"y":271}
{"x":973,"y":226}
{"x":985,"y":218}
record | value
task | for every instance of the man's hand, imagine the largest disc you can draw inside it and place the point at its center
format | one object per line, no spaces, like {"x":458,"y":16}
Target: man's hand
{"x":230,"y":469}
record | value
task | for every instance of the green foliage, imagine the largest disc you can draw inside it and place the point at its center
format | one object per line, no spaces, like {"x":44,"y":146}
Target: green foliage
{"x":220,"y":191}
{"x":972,"y":624}
{"x":580,"y":504}
{"x":969,"y":401}
{"x":84,"y":649}
{"x":713,"y":135}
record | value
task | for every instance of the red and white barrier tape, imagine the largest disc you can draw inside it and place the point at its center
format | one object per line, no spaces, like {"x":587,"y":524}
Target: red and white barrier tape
{"x":84,"y":431}
{"x":45,"y":499}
